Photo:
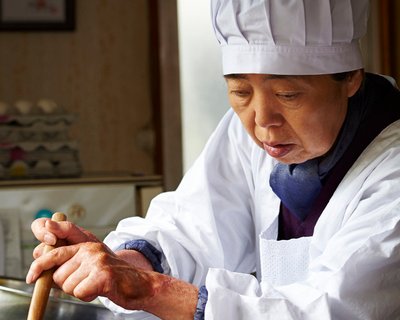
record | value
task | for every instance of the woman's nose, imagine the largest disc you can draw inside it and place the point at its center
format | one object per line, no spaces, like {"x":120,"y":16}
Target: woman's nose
{"x":267,"y":114}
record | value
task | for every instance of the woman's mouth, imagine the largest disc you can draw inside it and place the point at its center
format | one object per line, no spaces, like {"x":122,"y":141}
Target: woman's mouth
{"x":278,"y":150}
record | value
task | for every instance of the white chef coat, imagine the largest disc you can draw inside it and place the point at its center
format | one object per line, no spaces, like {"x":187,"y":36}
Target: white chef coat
{"x":221,"y":224}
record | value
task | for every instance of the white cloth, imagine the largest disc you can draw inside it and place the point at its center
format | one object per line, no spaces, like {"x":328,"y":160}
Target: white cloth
{"x":292,"y":37}
{"x":211,"y":228}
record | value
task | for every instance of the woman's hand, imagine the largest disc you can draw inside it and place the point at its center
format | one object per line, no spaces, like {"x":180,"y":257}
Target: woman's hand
{"x":48,"y":231}
{"x":90,"y":269}
{"x":86,"y":268}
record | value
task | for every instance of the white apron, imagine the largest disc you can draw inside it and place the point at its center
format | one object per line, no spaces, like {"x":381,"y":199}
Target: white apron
{"x":285,"y":261}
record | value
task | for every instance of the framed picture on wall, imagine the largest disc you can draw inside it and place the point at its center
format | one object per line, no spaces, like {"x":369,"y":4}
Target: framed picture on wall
{"x":37,"y":15}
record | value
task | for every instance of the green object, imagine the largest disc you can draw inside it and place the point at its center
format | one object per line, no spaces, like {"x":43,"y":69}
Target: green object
{"x":44,"y":213}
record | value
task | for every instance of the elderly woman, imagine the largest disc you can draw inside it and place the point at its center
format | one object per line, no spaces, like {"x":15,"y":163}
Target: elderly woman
{"x":292,"y":210}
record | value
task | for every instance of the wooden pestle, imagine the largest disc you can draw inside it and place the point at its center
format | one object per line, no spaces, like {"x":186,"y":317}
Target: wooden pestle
{"x":44,"y":283}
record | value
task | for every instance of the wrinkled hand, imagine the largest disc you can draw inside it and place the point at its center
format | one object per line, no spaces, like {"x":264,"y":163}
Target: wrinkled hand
{"x":48,"y":231}
{"x":90,"y":269}
{"x":86,"y":267}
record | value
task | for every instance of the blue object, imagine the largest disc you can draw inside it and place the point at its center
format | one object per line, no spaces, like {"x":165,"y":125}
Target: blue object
{"x":44,"y":213}
{"x":149,"y":251}
{"x":201,"y":303}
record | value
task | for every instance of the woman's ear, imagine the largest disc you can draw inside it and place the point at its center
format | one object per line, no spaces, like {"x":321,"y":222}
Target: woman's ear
{"x":354,"y":82}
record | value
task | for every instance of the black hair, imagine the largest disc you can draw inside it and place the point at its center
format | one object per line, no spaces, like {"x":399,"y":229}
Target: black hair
{"x":341,"y":76}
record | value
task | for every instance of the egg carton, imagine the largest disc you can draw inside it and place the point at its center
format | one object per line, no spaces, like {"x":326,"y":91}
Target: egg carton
{"x":34,"y":126}
{"x":28,"y":107}
{"x":28,"y":120}
{"x":20,"y":169}
{"x":63,"y":154}
{"x":22,"y":135}
{"x":30,"y":146}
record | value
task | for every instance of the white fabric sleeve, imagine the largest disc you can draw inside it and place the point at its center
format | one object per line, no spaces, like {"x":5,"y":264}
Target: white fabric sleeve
{"x":190,"y":226}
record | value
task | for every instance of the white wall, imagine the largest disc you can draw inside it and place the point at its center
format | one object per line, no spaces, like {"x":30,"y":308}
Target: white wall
{"x":203,"y":90}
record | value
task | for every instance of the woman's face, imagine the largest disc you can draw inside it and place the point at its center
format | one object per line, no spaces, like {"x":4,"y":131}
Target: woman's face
{"x":293,"y":118}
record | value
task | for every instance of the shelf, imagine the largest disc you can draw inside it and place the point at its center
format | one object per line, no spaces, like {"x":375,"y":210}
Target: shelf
{"x":139,"y":180}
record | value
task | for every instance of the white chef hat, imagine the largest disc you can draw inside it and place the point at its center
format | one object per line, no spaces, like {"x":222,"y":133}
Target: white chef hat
{"x":290,"y":37}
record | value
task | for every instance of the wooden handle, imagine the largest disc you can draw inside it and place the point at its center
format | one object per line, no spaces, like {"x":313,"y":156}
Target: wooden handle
{"x":44,"y":283}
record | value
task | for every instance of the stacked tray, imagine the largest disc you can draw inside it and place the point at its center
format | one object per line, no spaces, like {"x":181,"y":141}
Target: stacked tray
{"x":34,"y":141}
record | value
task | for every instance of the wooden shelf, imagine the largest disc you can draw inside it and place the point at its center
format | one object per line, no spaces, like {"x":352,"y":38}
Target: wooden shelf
{"x":139,"y":180}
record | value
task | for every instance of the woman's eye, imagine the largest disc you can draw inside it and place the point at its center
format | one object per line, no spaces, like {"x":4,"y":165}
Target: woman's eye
{"x":240,"y":93}
{"x":287,"y":96}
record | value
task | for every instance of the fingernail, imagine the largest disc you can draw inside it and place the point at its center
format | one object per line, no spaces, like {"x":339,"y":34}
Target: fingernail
{"x":29,"y":277}
{"x":50,"y":239}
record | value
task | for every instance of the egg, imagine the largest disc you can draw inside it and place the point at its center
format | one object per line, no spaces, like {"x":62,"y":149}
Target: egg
{"x":47,"y":105}
{"x":4,"y":108}
{"x":24,"y":106}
